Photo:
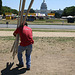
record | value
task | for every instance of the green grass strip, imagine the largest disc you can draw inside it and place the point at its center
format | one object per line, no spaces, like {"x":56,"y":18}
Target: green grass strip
{"x":43,"y":30}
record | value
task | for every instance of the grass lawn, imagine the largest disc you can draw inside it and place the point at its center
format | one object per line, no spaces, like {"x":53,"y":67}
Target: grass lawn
{"x":41,"y":22}
{"x":41,"y":30}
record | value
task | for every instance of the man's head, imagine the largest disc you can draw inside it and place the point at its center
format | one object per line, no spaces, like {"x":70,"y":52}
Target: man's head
{"x":26,"y":24}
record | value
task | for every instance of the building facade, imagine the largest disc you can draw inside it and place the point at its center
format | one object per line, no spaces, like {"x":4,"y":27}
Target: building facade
{"x":43,"y":9}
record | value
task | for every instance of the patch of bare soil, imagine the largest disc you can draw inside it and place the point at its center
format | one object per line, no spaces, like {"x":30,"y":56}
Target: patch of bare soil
{"x":42,"y":34}
{"x":49,"y":57}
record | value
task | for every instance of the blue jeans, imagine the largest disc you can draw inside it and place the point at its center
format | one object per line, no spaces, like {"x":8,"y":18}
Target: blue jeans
{"x":28,"y":50}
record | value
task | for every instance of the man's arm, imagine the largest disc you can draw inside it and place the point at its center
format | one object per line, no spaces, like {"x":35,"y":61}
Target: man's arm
{"x":16,"y":32}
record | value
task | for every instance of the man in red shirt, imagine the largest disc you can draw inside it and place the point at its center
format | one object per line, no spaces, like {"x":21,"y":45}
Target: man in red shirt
{"x":26,"y":39}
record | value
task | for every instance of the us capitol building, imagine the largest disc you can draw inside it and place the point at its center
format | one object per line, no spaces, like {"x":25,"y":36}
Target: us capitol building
{"x":43,"y":9}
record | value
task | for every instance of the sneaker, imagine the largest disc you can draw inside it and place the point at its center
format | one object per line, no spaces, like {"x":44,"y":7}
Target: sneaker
{"x":27,"y":68}
{"x":19,"y":65}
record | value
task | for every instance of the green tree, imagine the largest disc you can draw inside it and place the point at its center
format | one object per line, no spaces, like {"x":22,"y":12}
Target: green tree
{"x":57,"y":15}
{"x":32,"y":11}
{"x":0,"y":7}
{"x":9,"y":10}
{"x":14,"y":11}
{"x":69,"y":11}
{"x":6,"y":9}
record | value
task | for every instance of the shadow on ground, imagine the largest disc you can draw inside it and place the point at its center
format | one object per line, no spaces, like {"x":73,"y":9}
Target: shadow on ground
{"x":14,"y":71}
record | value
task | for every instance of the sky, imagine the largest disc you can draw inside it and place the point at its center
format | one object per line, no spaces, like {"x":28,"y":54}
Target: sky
{"x":51,"y":4}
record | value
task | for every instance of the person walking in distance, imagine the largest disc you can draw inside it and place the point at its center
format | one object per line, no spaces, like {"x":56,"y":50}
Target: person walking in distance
{"x":26,"y":39}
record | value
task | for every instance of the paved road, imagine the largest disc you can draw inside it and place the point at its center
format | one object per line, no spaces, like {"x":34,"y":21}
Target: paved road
{"x":41,"y":26}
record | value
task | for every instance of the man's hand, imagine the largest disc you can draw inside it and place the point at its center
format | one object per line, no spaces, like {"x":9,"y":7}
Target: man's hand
{"x":14,"y":34}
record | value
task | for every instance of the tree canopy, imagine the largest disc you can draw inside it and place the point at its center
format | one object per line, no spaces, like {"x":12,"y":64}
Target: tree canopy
{"x":69,"y":11}
{"x":57,"y":15}
{"x":32,"y":11}
{"x":8,"y":9}
{"x":0,"y":7}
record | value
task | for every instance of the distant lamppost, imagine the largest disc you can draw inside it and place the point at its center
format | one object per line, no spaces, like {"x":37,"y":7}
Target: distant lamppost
{"x":7,"y":24}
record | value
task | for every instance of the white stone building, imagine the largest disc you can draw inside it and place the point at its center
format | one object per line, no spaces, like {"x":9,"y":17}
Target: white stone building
{"x":43,"y":9}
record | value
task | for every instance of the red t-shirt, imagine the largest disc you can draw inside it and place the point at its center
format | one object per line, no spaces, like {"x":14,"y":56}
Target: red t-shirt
{"x":26,"y":37}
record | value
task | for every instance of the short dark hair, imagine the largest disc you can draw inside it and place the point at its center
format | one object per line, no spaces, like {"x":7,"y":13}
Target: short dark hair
{"x":26,"y":24}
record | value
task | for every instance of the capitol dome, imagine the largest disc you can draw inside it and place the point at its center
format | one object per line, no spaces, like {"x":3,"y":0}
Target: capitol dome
{"x":43,"y":6}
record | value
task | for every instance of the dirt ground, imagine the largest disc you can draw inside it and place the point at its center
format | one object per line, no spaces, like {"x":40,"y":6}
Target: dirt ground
{"x":50,"y":56}
{"x":42,"y":34}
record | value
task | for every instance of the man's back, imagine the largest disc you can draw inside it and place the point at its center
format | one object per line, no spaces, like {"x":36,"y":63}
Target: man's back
{"x":26,"y":37}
